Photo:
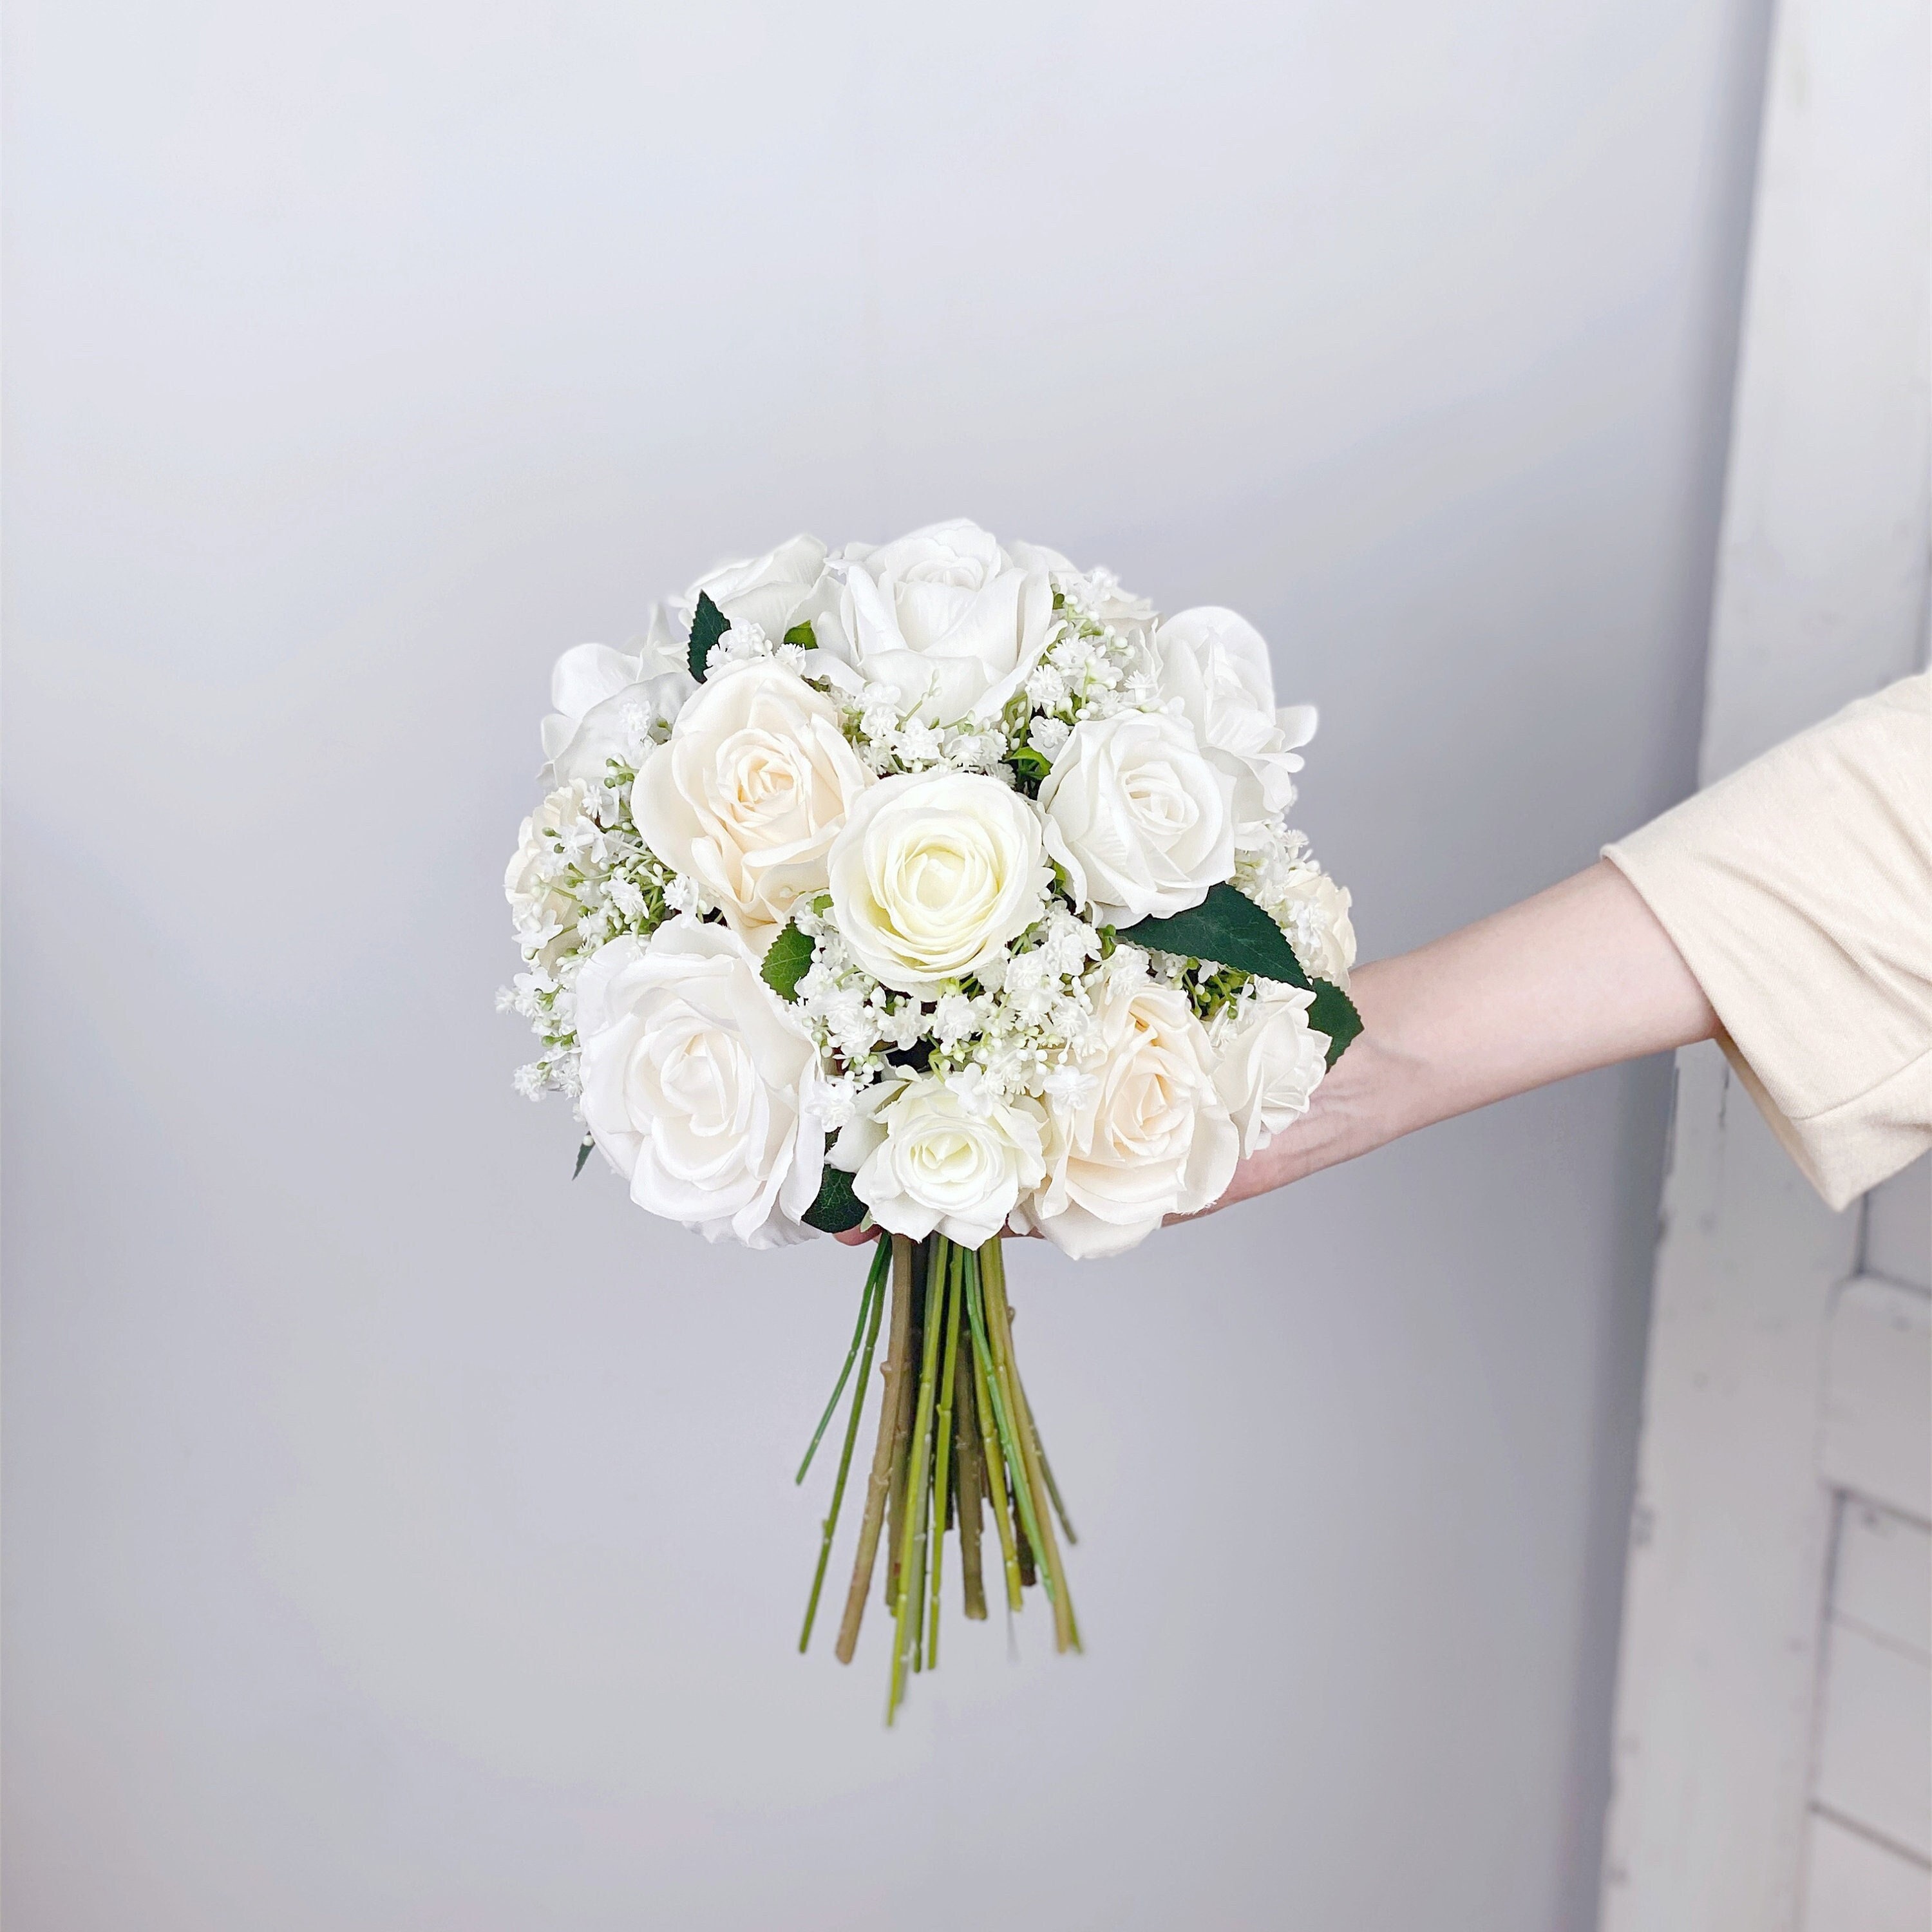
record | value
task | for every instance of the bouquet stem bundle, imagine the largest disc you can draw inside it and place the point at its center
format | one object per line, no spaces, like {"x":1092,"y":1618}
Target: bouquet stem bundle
{"x":956,"y":1437}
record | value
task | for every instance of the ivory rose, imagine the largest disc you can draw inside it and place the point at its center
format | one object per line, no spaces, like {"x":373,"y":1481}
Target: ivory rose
{"x":750,"y":793}
{"x":945,"y":616}
{"x":1271,"y":1061}
{"x":1216,"y":664}
{"x":1143,"y":1133}
{"x":934,"y":874}
{"x":700,"y":1085}
{"x":930,"y":1160}
{"x":1144,"y":815}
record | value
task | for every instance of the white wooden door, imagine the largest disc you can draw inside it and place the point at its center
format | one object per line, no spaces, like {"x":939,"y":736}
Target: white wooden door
{"x":1774,"y":1729}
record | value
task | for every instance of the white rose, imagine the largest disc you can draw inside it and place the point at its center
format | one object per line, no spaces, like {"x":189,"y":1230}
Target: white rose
{"x":700,"y":1085}
{"x":773,"y":591}
{"x":933,"y":874}
{"x":1145,"y":1134}
{"x":1217,"y":663}
{"x":749,"y":795}
{"x":928,"y":1160}
{"x":561,"y":830}
{"x":1271,"y":1061}
{"x":1314,"y":911}
{"x":944,"y":616}
{"x":609,"y":704}
{"x":1145,"y":816}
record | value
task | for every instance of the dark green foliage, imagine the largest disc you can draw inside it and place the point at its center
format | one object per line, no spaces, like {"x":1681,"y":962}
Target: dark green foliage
{"x":1334,"y":1013}
{"x":709,"y":624}
{"x":1228,"y":927}
{"x":837,"y":1207}
{"x":787,"y":962}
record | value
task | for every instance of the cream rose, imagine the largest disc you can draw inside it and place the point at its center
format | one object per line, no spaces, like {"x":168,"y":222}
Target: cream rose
{"x":699,"y":1085}
{"x":928,"y":1160}
{"x":945,"y":616}
{"x":1271,"y":1062}
{"x":750,"y":793}
{"x":1216,"y":663}
{"x":1145,"y":816}
{"x":933,"y":874}
{"x":1144,"y":1133}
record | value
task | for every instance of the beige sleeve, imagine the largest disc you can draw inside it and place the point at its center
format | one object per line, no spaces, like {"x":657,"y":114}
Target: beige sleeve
{"x":1799,"y":892}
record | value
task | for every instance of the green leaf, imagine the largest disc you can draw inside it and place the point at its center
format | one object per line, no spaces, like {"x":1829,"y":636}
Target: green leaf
{"x":1229,"y":929}
{"x":803,"y":636}
{"x":709,"y":624}
{"x":583,"y":1155}
{"x":837,"y":1207}
{"x":786,"y":962}
{"x":1334,"y":1013}
{"x":1025,"y":758}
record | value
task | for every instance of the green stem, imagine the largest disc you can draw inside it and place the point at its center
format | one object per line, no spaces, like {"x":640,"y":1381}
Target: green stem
{"x":874,"y":1276}
{"x":1046,"y":1470}
{"x":1002,"y":1418}
{"x":879,"y":1483}
{"x":995,"y":1461}
{"x":943,"y":1439}
{"x":875,"y":1297}
{"x":1040,"y":1525}
{"x":921,"y":1261}
{"x":916,"y":1479}
{"x":969,"y":1479}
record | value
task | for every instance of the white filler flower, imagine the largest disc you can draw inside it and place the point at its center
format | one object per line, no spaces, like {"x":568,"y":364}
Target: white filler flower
{"x":1271,"y":1062}
{"x":699,"y":1084}
{"x":1316,"y":911}
{"x":933,"y":874}
{"x":930,"y":1159}
{"x":749,"y":795}
{"x":541,"y":901}
{"x":1149,"y":1136}
{"x":1145,"y":816}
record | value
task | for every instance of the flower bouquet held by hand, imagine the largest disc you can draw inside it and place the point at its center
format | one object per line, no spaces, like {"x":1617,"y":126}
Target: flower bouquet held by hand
{"x":939,"y":886}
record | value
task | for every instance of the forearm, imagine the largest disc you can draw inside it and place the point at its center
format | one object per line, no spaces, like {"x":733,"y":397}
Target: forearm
{"x":1580,"y":976}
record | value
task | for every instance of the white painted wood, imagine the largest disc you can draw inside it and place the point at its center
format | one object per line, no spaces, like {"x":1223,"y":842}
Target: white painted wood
{"x":1883,"y":1580}
{"x":1875,"y":1739}
{"x":1731,"y":1532}
{"x":1822,"y":596}
{"x":1855,"y":1885}
{"x":1877,"y":1440}
{"x":1898,"y":1227}
{"x":1821,"y":562}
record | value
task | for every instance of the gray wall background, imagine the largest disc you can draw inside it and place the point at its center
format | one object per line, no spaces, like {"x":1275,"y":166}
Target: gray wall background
{"x":400,"y":1536}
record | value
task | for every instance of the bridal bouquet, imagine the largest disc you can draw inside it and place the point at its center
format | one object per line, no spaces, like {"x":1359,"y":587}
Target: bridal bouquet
{"x":941,"y":886}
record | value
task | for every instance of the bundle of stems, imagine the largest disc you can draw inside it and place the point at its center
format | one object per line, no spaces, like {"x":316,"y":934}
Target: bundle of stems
{"x":956,"y":1437}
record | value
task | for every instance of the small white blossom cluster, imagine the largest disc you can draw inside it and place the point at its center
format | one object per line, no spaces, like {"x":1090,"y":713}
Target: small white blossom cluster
{"x":580,"y":876}
{"x":840,"y":865}
{"x":1013,"y":1030}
